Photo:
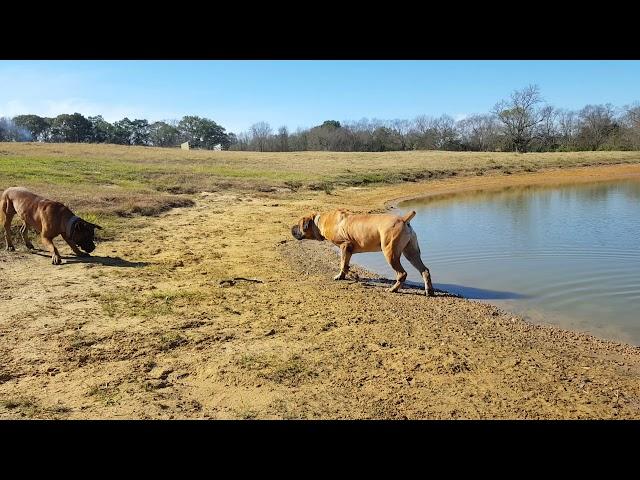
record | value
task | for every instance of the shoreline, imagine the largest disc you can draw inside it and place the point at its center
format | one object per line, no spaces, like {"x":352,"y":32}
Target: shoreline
{"x":547,"y":177}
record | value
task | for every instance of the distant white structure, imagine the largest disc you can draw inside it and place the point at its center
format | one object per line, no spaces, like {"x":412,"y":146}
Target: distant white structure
{"x":186,"y":146}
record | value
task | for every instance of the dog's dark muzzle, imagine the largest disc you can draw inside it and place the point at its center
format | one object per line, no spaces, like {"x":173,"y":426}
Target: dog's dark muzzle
{"x":295,"y":231}
{"x":88,"y":247}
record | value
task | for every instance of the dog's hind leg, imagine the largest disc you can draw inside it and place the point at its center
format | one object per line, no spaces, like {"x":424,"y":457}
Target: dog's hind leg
{"x":6,"y":215}
{"x":412,"y":253}
{"x":394,"y":260}
{"x":24,"y":231}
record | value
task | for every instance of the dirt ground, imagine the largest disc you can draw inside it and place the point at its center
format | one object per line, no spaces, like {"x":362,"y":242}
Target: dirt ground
{"x":215,"y":311}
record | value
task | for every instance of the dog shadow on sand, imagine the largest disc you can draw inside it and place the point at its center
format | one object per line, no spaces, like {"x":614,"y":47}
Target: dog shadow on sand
{"x":93,"y":259}
{"x":442,"y":289}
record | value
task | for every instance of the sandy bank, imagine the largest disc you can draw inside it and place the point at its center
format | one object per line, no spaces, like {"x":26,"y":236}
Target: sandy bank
{"x":160,"y":334}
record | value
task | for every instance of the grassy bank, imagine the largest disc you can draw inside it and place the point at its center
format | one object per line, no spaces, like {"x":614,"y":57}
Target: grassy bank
{"x":141,"y":169}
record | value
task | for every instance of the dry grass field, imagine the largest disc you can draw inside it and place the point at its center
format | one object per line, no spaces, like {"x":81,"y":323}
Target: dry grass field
{"x":129,"y":180}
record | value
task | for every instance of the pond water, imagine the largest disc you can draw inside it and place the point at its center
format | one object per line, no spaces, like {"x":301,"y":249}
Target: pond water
{"x":567,"y":255}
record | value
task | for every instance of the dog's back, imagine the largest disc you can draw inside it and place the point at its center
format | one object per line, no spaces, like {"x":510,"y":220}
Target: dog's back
{"x":15,"y":193}
{"x":20,"y":200}
{"x":369,"y":232}
{"x":376,"y":221}
{"x":7,"y":198}
{"x":30,"y":207}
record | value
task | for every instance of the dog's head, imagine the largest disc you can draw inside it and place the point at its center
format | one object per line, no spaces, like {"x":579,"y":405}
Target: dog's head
{"x":83,"y":235}
{"x":306,"y":228}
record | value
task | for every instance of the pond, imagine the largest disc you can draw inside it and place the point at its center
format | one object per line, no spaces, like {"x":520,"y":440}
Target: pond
{"x":568,"y":255}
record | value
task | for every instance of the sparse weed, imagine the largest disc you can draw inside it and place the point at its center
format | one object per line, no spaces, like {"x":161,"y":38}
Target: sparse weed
{"x":171,"y":340}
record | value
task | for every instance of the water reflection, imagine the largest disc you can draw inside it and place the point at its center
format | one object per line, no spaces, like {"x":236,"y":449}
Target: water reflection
{"x":476,"y":293}
{"x":473,"y":293}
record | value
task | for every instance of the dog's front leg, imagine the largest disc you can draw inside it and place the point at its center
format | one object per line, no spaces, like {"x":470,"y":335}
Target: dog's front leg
{"x":345,"y":255}
{"x":55,"y":255}
{"x":24,"y":231}
{"x":74,"y":247}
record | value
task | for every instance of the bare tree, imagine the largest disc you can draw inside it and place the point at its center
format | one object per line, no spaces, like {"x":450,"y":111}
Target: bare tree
{"x":547,"y":132}
{"x":260,"y":133}
{"x":360,"y":134}
{"x":446,"y":133}
{"x":520,"y":116}
{"x":298,"y":141}
{"x":568,"y":128}
{"x":631,"y":122}
{"x":401,"y":128}
{"x":242,"y":142}
{"x":283,"y":139}
{"x":632,"y":114}
{"x":596,"y":125}
{"x":480,"y":132}
{"x":424,"y":132}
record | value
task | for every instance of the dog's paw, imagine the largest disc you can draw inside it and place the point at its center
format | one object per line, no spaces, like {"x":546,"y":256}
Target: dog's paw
{"x":431,"y":293}
{"x":340,"y":276}
{"x":11,"y":249}
{"x":56,"y":260}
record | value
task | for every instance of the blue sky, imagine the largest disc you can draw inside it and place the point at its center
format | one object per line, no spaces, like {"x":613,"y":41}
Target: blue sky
{"x":237,"y":94}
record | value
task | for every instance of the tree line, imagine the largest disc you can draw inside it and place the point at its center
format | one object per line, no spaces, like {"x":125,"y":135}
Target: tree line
{"x":199,"y":132}
{"x":523,"y":122}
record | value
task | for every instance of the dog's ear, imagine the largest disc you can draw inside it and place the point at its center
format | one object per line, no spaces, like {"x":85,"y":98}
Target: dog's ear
{"x":93,"y":225}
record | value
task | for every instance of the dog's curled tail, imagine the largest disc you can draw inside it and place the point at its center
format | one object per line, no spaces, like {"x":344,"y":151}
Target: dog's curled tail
{"x":409,"y":216}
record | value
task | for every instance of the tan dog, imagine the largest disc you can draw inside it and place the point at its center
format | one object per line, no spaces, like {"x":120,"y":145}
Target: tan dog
{"x":49,"y":219}
{"x":367,"y":233}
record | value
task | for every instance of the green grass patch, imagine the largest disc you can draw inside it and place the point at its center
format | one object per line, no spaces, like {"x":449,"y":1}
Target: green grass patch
{"x":105,"y":393}
{"x":149,"y":305}
{"x":171,"y":340}
{"x":290,"y":371}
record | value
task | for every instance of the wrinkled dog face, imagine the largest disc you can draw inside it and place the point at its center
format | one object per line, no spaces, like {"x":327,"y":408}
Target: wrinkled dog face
{"x":83,"y":235}
{"x":304,"y":229}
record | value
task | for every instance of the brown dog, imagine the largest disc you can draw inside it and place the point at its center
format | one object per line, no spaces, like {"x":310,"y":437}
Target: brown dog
{"x":367,"y":233}
{"x":49,"y":219}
